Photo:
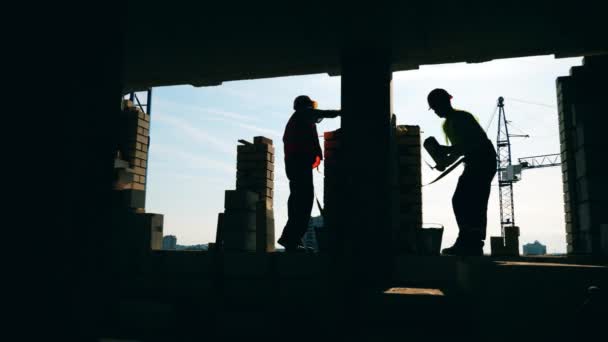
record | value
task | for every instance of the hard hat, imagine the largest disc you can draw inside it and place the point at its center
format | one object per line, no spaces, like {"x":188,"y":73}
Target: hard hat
{"x":304,"y":101}
{"x":438,"y":95}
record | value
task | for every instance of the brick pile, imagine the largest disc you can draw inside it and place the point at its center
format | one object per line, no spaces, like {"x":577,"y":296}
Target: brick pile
{"x":409,"y":185}
{"x":248,"y":221}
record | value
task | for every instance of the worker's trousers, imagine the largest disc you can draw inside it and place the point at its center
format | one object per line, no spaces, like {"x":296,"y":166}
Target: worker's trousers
{"x":300,"y":202}
{"x":470,"y":200}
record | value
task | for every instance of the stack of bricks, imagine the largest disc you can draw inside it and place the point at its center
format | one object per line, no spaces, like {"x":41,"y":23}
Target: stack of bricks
{"x":249,"y":217}
{"x":409,"y":182}
{"x":507,"y":245}
{"x":331,"y":184}
{"x":134,"y":143}
{"x":237,"y":225}
{"x":582,"y":124}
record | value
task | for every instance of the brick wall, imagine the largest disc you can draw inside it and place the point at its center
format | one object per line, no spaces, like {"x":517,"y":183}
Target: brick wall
{"x":134,"y":143}
{"x":583,"y":121}
{"x":409,"y":188}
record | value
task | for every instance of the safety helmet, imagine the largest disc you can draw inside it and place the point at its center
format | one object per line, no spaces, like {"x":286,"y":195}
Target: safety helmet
{"x":438,"y":95}
{"x":303,"y":102}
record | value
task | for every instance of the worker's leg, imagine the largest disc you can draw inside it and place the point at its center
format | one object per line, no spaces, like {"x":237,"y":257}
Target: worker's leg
{"x":299,"y":203}
{"x":466,"y":205}
{"x":459,"y":203}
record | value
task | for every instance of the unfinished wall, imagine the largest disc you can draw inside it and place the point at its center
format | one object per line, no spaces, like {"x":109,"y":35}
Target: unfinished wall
{"x":583,"y":120}
{"x":131,"y":157}
{"x":409,"y":188}
{"x":248,"y":221}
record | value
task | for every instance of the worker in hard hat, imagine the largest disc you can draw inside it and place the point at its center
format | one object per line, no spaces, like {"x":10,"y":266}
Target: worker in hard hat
{"x":302,"y":154}
{"x":470,"y":200}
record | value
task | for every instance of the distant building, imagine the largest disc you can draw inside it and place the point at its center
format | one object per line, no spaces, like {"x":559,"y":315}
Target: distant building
{"x":310,"y":237}
{"x":199,"y":247}
{"x":535,"y":248}
{"x":169,"y":242}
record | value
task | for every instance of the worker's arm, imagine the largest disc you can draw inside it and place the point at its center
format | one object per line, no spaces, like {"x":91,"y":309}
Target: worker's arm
{"x":330,"y":114}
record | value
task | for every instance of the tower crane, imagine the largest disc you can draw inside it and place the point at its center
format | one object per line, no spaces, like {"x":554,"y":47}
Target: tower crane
{"x":509,"y":173}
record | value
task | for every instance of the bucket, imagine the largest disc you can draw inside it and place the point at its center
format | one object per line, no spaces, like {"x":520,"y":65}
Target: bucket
{"x":428,"y":239}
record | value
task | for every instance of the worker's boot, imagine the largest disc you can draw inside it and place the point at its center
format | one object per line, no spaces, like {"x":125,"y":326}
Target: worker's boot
{"x":292,"y":247}
{"x":466,"y":244}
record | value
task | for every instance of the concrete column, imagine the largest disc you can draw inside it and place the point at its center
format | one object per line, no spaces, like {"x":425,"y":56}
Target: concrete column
{"x":364,"y":225}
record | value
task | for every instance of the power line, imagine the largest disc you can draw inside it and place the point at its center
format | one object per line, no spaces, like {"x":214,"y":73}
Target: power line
{"x":532,"y":103}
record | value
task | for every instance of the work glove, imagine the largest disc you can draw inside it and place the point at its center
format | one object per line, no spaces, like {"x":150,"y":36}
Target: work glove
{"x":317,"y":162}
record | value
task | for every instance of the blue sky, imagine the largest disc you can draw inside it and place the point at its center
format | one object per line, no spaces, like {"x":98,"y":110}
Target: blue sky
{"x":194,"y":135}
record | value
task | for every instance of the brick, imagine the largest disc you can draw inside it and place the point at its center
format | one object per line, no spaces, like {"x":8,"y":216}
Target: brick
{"x":142,"y":179}
{"x":255,"y":148}
{"x":240,"y":199}
{"x":264,"y":227}
{"x":143,"y":124}
{"x":262,"y":140}
{"x":138,"y":146}
{"x":137,"y":186}
{"x":146,"y":132}
{"x":143,"y":163}
{"x":140,"y":130}
{"x":332,"y":144}
{"x":253,"y":184}
{"x":255,"y":174}
{"x":239,"y":220}
{"x":139,"y":171}
{"x":251,"y":165}
{"x":255,"y":156}
{"x":141,"y":155}
{"x":412,"y":130}
{"x":130,"y":198}
{"x":408,"y":140}
{"x":142,"y":139}
{"x":136,"y":178}
{"x":147,"y":117}
{"x":333,"y":135}
{"x":244,"y":241}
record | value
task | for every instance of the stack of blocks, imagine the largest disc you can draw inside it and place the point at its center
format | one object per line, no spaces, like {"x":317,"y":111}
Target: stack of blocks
{"x":134,"y":143}
{"x":507,"y":246}
{"x":409,"y":185}
{"x":248,"y":221}
{"x":140,"y":231}
{"x":582,"y":123}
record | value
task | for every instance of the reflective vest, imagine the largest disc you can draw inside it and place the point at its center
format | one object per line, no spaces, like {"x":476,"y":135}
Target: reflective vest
{"x":301,"y":138}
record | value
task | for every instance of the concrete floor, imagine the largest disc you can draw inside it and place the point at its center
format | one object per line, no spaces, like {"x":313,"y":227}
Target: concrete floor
{"x":198,"y":295}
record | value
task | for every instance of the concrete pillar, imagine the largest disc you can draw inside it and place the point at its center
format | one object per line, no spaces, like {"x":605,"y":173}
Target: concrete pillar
{"x":364,"y":227}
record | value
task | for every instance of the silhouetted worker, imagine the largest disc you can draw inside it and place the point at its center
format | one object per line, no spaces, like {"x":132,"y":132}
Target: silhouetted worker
{"x":302,"y":154}
{"x":470,"y":199}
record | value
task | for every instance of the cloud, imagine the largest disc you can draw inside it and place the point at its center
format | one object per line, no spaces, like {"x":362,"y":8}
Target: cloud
{"x":192,"y":160}
{"x":171,"y":106}
{"x":269,"y":131}
{"x":194,"y":133}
